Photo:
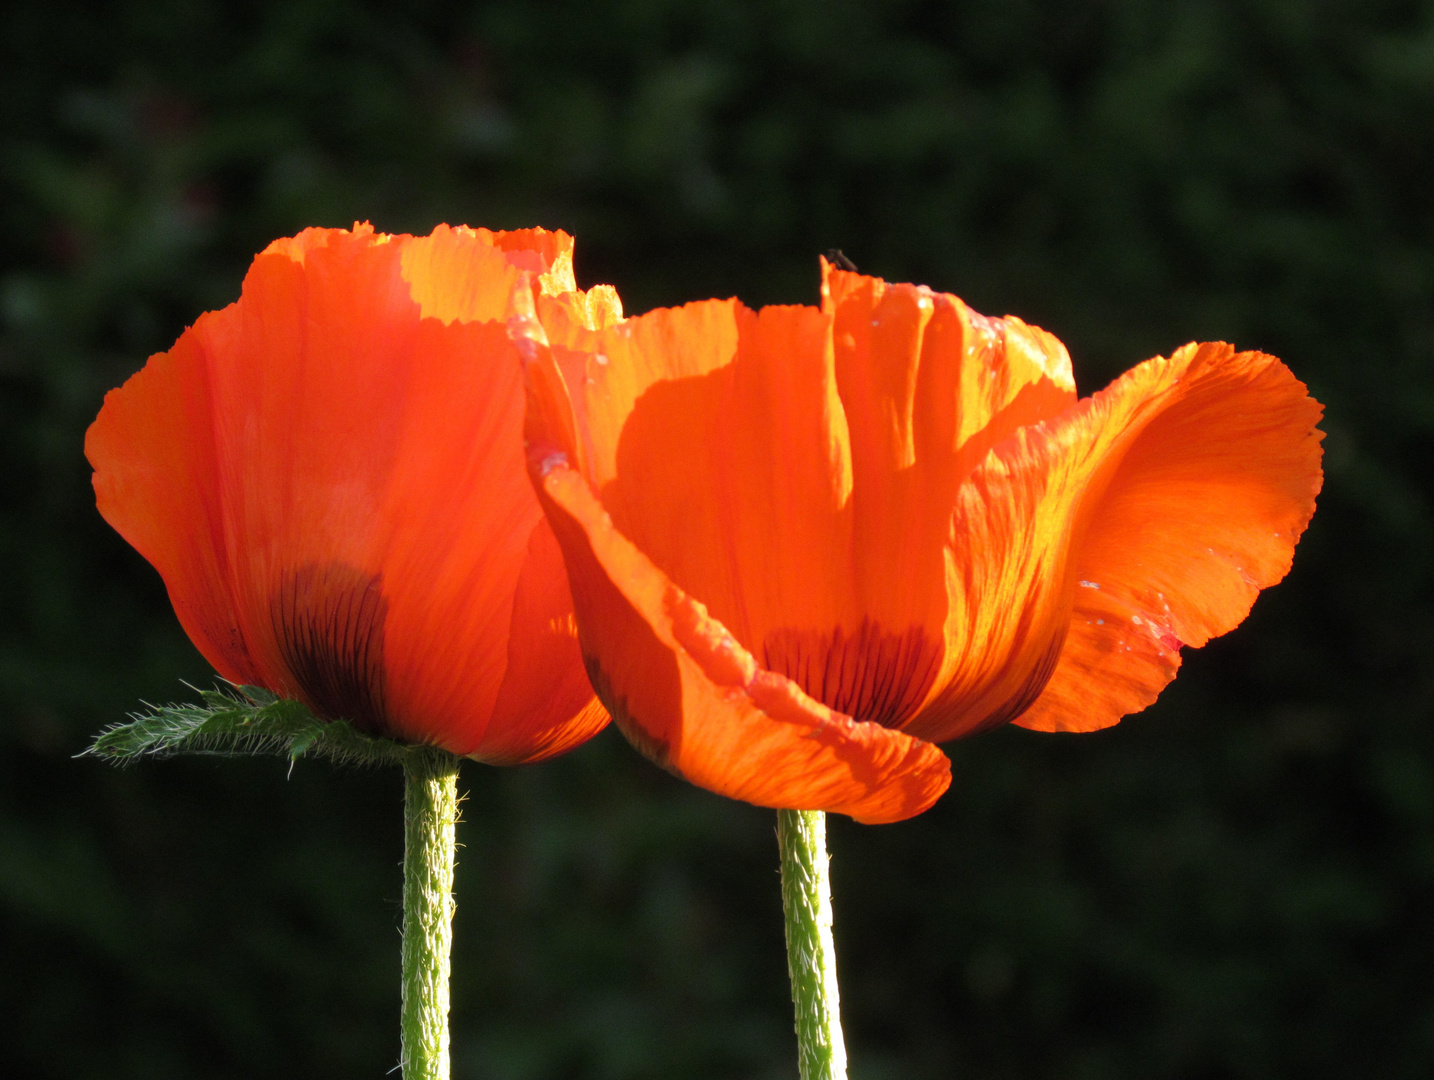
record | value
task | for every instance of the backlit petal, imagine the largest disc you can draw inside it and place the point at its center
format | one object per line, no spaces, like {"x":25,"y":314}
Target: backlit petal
{"x":734,"y":482}
{"x":1203,"y":511}
{"x":156,"y":482}
{"x":545,"y":704}
{"x":469,"y":274}
{"x":1191,"y":465}
{"x":454,"y":490}
{"x":928,"y":386}
{"x":924,"y":377}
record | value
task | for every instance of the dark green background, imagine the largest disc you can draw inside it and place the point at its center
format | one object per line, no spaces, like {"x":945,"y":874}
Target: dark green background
{"x":1235,"y":883}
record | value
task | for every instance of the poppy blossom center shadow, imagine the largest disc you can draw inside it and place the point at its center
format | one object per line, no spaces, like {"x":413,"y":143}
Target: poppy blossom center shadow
{"x":329,"y":623}
{"x":872,"y":674}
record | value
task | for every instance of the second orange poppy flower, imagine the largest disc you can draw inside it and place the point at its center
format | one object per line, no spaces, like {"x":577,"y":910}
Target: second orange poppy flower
{"x":806,"y":545}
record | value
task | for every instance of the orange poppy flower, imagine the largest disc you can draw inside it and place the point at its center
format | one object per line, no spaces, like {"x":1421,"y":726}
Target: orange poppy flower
{"x":328,"y":475}
{"x":808,"y":544}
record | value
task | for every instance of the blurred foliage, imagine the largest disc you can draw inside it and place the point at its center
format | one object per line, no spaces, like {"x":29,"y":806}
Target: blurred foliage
{"x":1236,"y":883}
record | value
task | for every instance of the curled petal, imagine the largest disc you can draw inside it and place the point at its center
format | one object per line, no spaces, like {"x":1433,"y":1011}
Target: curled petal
{"x":1174,"y":495}
{"x":1202,"y":512}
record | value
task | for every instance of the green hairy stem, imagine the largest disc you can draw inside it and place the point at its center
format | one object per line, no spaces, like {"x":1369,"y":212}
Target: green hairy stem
{"x":430,"y":811}
{"x":811,"y":953}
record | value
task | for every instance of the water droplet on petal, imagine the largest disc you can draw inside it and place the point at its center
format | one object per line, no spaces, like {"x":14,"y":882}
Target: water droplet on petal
{"x":556,"y":460}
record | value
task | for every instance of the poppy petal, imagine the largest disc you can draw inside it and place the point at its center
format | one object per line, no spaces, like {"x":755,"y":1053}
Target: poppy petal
{"x":1004,"y":561}
{"x":545,"y":704}
{"x":623,"y":361}
{"x":455,"y":487}
{"x":156,"y":483}
{"x":679,"y":684}
{"x":1202,"y":513}
{"x":927,"y":386}
{"x":1177,"y":477}
{"x":716,"y":439}
{"x":469,"y":274}
{"x":924,"y":377}
{"x":309,"y":373}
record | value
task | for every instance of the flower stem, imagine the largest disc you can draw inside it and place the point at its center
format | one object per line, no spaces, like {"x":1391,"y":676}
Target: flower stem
{"x":430,"y":811}
{"x":811,"y":953}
